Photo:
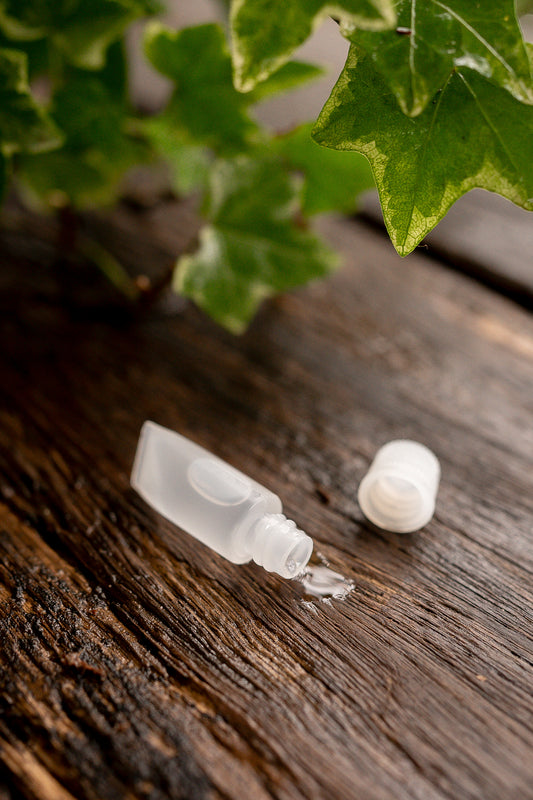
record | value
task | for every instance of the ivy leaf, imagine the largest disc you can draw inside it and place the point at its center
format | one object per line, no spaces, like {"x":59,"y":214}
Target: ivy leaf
{"x":24,"y":125}
{"x":253,"y":245}
{"x":289,"y":76}
{"x":36,"y":52}
{"x":204,"y":105}
{"x":81,"y":30}
{"x":97,"y":149}
{"x":85,"y":37}
{"x":472,"y":134}
{"x":333,"y":180}
{"x":266,"y":32}
{"x":113,"y":75}
{"x":433,"y":37}
{"x":205,"y":111}
{"x":188,"y":162}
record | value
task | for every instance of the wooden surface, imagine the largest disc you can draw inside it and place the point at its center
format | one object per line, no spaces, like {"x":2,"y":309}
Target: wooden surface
{"x":137,"y":664}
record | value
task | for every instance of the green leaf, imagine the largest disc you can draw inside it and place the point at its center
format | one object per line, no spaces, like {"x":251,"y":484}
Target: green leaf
{"x":24,"y":125}
{"x":97,"y":147}
{"x":289,"y":76}
{"x":96,"y":25}
{"x":36,"y":52}
{"x":266,"y":32}
{"x":472,"y":134}
{"x":188,"y":162}
{"x":333,"y":180}
{"x":205,"y":110}
{"x":81,"y":30}
{"x":81,"y":182}
{"x":204,"y":106}
{"x":253,"y":246}
{"x":113,"y":74}
{"x":433,"y":37}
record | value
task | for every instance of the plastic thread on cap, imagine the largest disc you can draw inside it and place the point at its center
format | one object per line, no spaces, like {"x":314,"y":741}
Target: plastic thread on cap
{"x":399,"y":490}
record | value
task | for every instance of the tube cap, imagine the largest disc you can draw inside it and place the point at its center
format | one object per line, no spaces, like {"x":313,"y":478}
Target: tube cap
{"x":399,"y":490}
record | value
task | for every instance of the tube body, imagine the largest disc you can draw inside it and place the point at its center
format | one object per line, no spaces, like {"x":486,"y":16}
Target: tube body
{"x":199,"y":492}
{"x":215,"y":503}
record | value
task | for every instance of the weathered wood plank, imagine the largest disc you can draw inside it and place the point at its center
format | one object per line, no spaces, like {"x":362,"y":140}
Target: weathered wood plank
{"x":135,"y":663}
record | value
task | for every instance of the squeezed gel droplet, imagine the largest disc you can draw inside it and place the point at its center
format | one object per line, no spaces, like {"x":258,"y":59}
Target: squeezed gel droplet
{"x":323,"y":583}
{"x":310,"y":606}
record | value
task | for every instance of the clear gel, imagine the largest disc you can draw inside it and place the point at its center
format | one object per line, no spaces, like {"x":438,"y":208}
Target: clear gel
{"x":323,"y":583}
{"x":217,"y":504}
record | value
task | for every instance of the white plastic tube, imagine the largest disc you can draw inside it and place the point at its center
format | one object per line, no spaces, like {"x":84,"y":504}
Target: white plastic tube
{"x":217,"y":504}
{"x":398,"y":492}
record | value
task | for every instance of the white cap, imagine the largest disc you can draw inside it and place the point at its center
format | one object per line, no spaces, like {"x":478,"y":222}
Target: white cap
{"x":399,"y":490}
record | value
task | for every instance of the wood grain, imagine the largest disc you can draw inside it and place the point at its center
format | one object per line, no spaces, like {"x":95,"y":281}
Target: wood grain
{"x":135,"y":663}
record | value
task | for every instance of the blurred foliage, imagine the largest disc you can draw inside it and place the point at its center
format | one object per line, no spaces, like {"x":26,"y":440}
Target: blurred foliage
{"x":434,"y":99}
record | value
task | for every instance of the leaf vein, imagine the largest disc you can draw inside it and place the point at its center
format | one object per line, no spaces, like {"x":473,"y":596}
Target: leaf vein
{"x":423,"y":154}
{"x":490,"y":123}
{"x":412,"y":47}
{"x":478,"y":36}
